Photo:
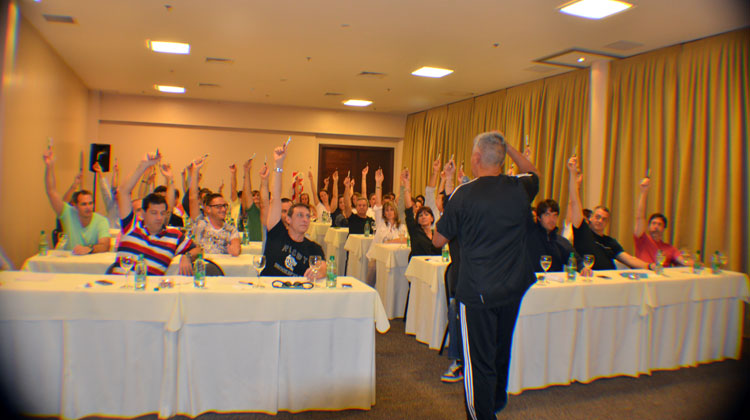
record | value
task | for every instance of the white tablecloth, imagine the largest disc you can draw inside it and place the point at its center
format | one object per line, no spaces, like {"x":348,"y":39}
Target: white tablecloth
{"x":334,"y":241}
{"x":316,"y":232}
{"x":427,"y":315}
{"x":357,"y":246}
{"x":391,"y":261}
{"x":253,"y":248}
{"x":583,"y":331}
{"x":65,"y":262}
{"x":75,"y":351}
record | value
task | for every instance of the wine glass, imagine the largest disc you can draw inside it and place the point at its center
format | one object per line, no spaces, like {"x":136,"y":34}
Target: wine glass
{"x":259,"y":263}
{"x":314,"y":266}
{"x":546,"y":262}
{"x":126,"y":263}
{"x":588,"y":261}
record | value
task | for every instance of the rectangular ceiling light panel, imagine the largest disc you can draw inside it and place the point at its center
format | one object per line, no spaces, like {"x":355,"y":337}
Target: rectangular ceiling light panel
{"x":170,"y":89}
{"x":595,"y":9}
{"x":169,"y":47}
{"x":431,"y":72}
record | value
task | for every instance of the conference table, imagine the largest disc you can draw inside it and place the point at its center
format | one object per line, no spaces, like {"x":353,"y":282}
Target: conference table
{"x":74,"y":347}
{"x":316,"y":232}
{"x":357,"y":246}
{"x":391,"y":261}
{"x":334,"y":240}
{"x":610,"y":326}
{"x":57,"y":261}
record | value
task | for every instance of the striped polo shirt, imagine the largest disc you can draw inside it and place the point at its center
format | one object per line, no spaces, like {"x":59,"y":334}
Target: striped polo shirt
{"x":157,"y":249}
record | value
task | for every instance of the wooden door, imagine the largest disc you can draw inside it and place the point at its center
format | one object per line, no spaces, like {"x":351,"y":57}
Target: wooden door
{"x":353,"y":159}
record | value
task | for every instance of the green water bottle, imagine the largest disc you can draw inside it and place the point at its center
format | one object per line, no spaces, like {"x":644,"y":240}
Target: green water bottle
{"x":331,"y":273}
{"x":43,"y":245}
{"x":367,"y":229}
{"x":199,"y":272}
{"x":446,"y":253}
{"x":572,"y":266}
{"x":141,"y":272}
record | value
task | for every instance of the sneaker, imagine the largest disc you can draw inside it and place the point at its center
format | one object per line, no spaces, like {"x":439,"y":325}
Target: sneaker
{"x":455,"y":373}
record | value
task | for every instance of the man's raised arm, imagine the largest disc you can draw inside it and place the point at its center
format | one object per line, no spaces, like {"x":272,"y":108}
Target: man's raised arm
{"x":247,"y":185}
{"x":123,"y":199}
{"x":274,"y":211}
{"x":50,"y":184}
{"x":576,"y":210}
{"x":193,"y":192}
{"x":166,"y":171}
{"x":264,"y":199}
{"x":347,"y":197}
{"x":640,"y":212}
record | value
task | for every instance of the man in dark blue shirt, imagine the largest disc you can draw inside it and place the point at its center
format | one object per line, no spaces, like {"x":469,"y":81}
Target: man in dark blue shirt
{"x":490,"y":218}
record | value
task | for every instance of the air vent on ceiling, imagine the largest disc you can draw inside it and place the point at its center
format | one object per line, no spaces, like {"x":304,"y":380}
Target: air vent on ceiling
{"x":540,"y":69}
{"x":333,"y":94}
{"x":207,"y":85}
{"x":219,"y":60}
{"x":373,"y":74}
{"x":623,"y":45}
{"x":59,"y":18}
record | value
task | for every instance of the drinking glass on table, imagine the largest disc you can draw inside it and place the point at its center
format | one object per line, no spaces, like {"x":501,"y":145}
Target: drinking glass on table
{"x":314,"y":267}
{"x":546,"y":262}
{"x":126,"y":263}
{"x":588,"y":261}
{"x":660,"y":258}
{"x":259,"y":263}
{"x":722,"y":259}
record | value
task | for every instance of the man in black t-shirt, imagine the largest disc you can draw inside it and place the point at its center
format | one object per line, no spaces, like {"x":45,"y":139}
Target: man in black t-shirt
{"x":544,"y":239}
{"x":287,"y":250}
{"x":356,"y":221}
{"x":589,"y":238}
{"x":489,"y":217}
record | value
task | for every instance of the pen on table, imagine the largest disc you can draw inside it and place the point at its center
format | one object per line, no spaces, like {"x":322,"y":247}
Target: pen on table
{"x":247,"y":282}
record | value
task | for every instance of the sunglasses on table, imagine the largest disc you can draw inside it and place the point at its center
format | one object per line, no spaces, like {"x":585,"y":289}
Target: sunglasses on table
{"x":289,"y":285}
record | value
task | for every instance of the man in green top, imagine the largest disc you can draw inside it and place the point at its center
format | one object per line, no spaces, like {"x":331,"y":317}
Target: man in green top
{"x":251,"y":206}
{"x":87,"y":232}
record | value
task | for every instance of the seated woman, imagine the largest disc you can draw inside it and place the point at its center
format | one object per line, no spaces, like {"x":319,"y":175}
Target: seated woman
{"x":420,"y":230}
{"x":388,"y":229}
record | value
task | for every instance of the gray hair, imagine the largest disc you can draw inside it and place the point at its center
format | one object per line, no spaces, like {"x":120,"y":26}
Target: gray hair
{"x":491,"y":148}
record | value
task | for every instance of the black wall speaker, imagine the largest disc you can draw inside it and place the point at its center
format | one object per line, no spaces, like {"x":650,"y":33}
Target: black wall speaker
{"x":99,"y":153}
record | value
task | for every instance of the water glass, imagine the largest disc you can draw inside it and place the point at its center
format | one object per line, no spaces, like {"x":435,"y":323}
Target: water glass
{"x":259,"y":263}
{"x":126,"y":263}
{"x":546,"y":262}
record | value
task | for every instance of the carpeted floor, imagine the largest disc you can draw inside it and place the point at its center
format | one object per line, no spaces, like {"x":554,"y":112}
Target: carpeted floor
{"x":409,"y":387}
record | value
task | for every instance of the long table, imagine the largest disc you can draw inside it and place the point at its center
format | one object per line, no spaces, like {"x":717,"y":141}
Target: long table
{"x":581,"y":331}
{"x":64,"y":262}
{"x":72,"y":347}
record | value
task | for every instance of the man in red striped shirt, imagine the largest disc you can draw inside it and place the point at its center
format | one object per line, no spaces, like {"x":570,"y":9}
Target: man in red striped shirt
{"x":149,"y":236}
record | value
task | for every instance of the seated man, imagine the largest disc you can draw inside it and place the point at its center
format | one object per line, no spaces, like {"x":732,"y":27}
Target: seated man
{"x":148,"y":235}
{"x":88,"y":232}
{"x":589,"y":238}
{"x":211,"y":231}
{"x":356,"y":221}
{"x":647,"y":243}
{"x":544,"y":239}
{"x":287,"y":250}
{"x":174,"y":219}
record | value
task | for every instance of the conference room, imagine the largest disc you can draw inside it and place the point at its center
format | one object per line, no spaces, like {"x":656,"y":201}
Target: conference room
{"x":650,"y":92}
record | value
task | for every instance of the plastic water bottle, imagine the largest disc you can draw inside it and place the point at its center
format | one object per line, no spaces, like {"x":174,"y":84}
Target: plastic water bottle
{"x":408,"y":240}
{"x":572,"y":265}
{"x":367,"y":229}
{"x":199,"y":272}
{"x":697,"y":264}
{"x":446,"y":253}
{"x":331,"y":273}
{"x":715,"y":263}
{"x":43,"y":245}
{"x":141,"y":272}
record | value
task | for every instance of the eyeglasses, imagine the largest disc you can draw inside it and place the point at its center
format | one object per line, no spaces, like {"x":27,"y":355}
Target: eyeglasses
{"x":289,"y":285}
{"x":219,"y":206}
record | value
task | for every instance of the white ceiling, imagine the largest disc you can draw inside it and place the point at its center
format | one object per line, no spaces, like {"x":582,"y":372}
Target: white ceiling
{"x":270,"y":41}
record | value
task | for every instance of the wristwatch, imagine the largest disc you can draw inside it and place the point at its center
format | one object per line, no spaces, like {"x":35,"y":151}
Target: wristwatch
{"x":279,"y":170}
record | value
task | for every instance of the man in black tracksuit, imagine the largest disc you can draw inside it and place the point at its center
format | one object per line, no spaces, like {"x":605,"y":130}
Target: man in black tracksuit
{"x":490,"y":217}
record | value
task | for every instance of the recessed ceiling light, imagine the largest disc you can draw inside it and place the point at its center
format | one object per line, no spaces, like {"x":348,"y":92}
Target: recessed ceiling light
{"x":581,"y":59}
{"x":431,"y":72}
{"x":170,"y":89}
{"x":595,"y":9}
{"x":357,"y":102}
{"x":169,"y":47}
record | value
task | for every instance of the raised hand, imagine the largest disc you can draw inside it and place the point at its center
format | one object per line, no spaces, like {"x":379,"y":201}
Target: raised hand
{"x":279,"y":154}
{"x":573,"y":165}
{"x":436,"y":166}
{"x":233,"y":169}
{"x":97,"y":168}
{"x":325,"y":183}
{"x":365,"y":171}
{"x":527,"y":153}
{"x":450,"y":168}
{"x":335,"y":177}
{"x":77,"y":180}
{"x":347,"y":181}
{"x":248,"y":165}
{"x":48,"y":157}
{"x":264,"y":171}
{"x":645,"y":184}
{"x":461,"y":173}
{"x":166,"y":170}
{"x":379,"y":176}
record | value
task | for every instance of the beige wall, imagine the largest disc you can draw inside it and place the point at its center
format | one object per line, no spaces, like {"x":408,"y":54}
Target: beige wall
{"x":41,"y":97}
{"x":231,"y":132}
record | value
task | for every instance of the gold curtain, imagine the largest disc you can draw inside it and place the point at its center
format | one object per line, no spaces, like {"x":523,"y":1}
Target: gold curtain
{"x":553,"y":113}
{"x":683,"y":113}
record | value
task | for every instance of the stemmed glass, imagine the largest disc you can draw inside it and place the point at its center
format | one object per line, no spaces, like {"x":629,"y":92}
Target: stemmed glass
{"x":722,"y":259}
{"x":546,"y":262}
{"x":588,"y":261}
{"x":126,"y":263}
{"x":259,"y":263}
{"x":314,"y":267}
